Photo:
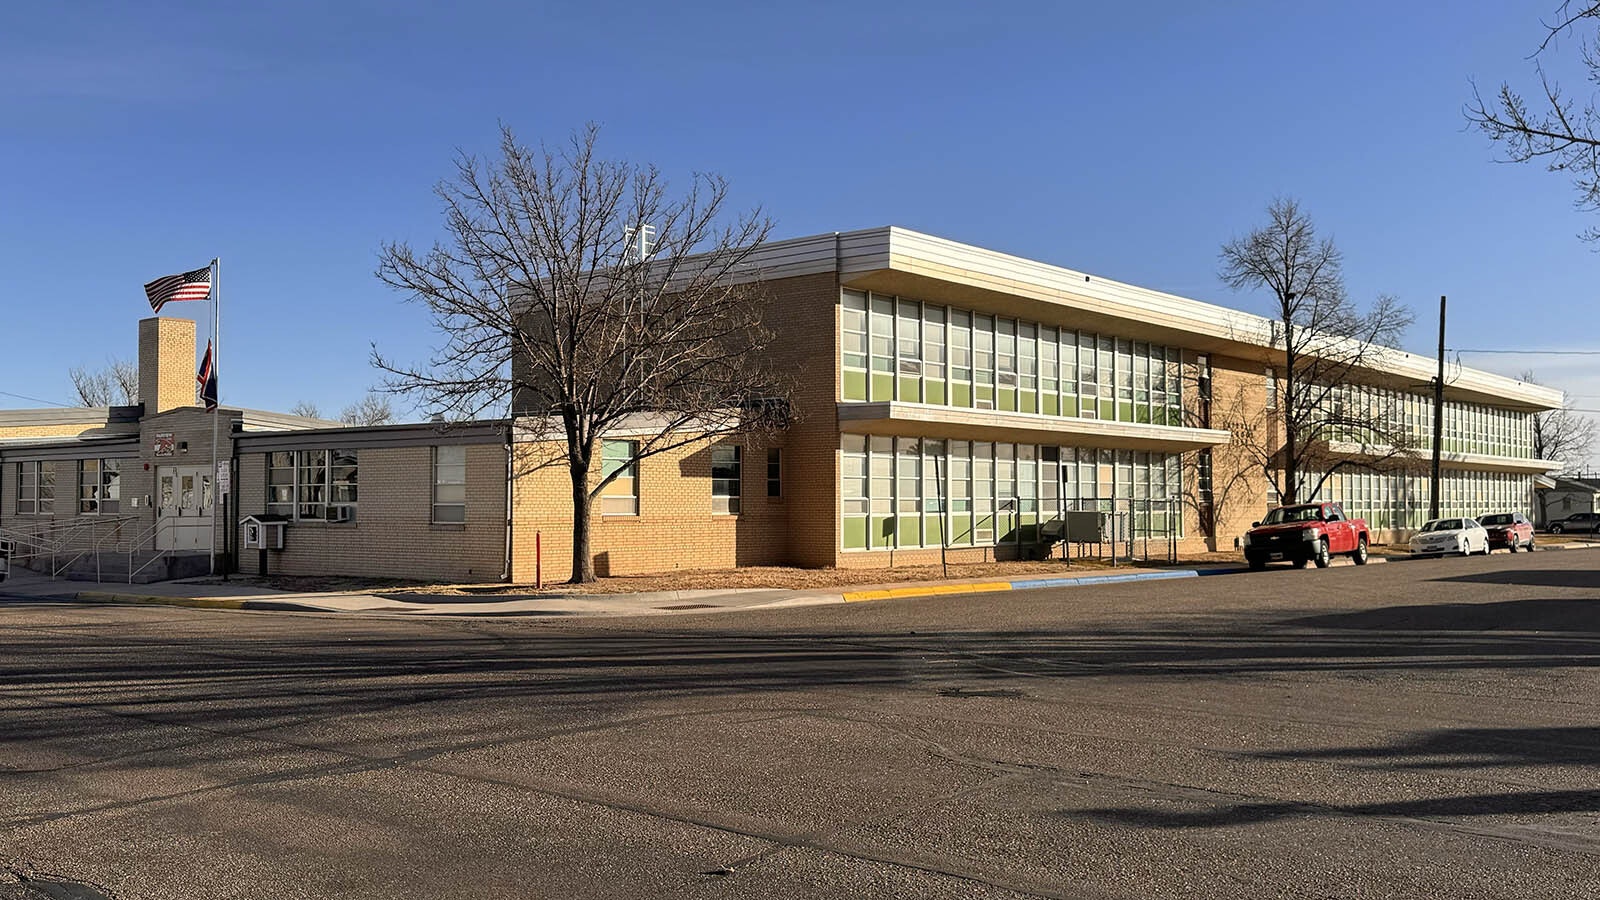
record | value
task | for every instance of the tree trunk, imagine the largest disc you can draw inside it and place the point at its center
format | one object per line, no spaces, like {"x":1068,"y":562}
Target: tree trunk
{"x":582,"y":559}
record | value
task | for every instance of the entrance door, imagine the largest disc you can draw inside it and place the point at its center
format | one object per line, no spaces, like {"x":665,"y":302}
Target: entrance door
{"x":183,"y":508}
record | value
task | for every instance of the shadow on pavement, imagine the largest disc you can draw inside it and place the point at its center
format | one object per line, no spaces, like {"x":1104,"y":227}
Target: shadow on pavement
{"x":307,"y":669}
{"x":1564,"y":614}
{"x":1517,"y":803}
{"x":1457,"y":748}
{"x":1477,"y":747}
{"x":1578,"y":578}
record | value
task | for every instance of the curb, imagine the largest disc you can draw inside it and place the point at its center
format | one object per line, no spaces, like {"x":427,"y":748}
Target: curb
{"x":927,"y":591}
{"x":1018,"y":584}
{"x":158,"y":600}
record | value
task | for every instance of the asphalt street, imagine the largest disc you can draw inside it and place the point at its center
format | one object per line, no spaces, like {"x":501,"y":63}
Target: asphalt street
{"x":1425,"y":729}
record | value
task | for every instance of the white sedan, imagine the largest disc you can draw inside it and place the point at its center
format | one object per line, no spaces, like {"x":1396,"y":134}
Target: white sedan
{"x":1441,"y":536}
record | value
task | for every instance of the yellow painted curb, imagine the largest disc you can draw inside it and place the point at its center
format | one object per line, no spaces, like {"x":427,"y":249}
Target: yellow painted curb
{"x":194,"y":602}
{"x":927,"y":591}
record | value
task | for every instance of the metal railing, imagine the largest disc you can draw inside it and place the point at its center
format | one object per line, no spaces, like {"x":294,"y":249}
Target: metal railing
{"x":148,"y":538}
{"x":63,"y":542}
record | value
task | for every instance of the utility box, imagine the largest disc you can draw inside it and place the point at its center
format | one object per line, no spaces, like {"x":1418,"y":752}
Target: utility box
{"x":1093,"y":526}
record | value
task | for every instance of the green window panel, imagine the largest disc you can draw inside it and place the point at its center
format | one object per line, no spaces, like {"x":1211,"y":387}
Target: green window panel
{"x":1069,"y":406}
{"x":855,"y":385}
{"x":1142,"y":415}
{"x":961,"y":529}
{"x":1124,"y":412}
{"x":1108,"y":409}
{"x":910,"y":389}
{"x":1008,"y":400}
{"x":1052,"y":405}
{"x":933,"y":532}
{"x":909,"y":526}
{"x":1029,"y":402}
{"x":882,"y":386}
{"x":882,"y":532}
{"x":934,"y":393}
{"x":961,"y":395}
{"x":855,"y":532}
{"x":985,"y":395}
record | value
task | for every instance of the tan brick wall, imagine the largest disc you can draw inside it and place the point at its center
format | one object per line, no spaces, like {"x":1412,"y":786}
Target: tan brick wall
{"x":46,"y":431}
{"x":392,"y":535}
{"x":805,"y":312}
{"x":167,"y":364}
{"x":675,"y":527}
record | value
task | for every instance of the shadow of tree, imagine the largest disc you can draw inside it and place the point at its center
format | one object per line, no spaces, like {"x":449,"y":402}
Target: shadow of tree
{"x":323,"y":668}
{"x":1540,"y":615}
{"x":1578,"y":578}
{"x":1458,"y":747}
{"x":1515,"y":803}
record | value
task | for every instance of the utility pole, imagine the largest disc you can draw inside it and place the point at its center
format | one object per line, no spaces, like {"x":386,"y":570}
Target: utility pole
{"x":1438,"y":421}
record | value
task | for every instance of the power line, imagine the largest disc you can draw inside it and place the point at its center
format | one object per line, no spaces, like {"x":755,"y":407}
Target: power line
{"x":1537,"y":352}
{"x":36,"y":400}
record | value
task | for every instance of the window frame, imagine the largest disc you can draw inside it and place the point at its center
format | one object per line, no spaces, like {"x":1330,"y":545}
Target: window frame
{"x":626,"y":462}
{"x":438,"y":466}
{"x":325,"y":493}
{"x":774,"y":473}
{"x":726,"y":488}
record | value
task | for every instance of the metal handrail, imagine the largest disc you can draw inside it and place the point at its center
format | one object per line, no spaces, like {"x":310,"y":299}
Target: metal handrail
{"x":147,"y":537}
{"x":63,"y":537}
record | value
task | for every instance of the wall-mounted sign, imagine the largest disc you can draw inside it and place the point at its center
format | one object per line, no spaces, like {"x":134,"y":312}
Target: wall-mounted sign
{"x":163,"y":444}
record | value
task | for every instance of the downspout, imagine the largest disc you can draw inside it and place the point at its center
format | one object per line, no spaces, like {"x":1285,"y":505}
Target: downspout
{"x":505,"y":573}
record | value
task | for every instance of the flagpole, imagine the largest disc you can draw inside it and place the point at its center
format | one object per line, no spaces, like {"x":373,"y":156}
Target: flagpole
{"x":216,"y":353}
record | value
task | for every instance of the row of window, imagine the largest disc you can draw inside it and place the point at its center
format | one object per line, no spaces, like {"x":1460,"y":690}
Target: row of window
{"x":99,"y":487}
{"x":911,"y":492}
{"x":621,"y":496}
{"x":1468,"y":427}
{"x":322,"y":485}
{"x":1400,"y":501}
{"x":899,"y":349}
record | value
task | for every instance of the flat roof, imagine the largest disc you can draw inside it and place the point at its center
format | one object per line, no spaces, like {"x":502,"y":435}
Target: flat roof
{"x":896,"y":260}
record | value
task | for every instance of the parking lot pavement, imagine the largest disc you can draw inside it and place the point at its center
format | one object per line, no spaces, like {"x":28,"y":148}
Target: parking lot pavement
{"x":1420,"y":730}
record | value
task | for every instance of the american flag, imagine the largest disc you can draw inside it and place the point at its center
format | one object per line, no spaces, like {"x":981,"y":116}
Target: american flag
{"x":194,"y":285}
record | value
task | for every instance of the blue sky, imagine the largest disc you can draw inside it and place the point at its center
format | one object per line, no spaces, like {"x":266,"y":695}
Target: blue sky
{"x":291,"y":139}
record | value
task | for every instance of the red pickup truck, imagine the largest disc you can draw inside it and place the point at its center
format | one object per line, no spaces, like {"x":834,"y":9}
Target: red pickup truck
{"x":1306,"y":533}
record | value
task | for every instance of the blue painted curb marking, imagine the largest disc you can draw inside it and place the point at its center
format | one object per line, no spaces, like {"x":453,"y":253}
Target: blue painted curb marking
{"x":1027,"y":584}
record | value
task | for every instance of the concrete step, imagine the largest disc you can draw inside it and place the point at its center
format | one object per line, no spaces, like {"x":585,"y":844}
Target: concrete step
{"x":151,"y":567}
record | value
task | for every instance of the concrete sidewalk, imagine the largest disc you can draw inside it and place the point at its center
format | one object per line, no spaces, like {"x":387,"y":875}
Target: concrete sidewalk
{"x":212,"y":595}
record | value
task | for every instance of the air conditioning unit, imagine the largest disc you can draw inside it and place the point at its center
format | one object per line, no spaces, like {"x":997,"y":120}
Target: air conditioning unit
{"x":984,"y":404}
{"x":341,"y":514}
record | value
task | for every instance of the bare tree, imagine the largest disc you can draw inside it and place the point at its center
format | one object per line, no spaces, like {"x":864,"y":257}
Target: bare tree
{"x":549,"y":305}
{"x":115,"y":385}
{"x":1563,"y":435}
{"x":1555,"y":130}
{"x":1322,"y":340}
{"x":306,"y":408}
{"x":373,"y":409}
